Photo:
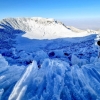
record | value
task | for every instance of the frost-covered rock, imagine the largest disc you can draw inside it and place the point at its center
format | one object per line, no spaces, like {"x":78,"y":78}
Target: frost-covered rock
{"x":55,"y":80}
{"x":40,"y":56}
{"x":76,"y":61}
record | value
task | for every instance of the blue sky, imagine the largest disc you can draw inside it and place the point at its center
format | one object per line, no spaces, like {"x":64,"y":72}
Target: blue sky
{"x":65,"y":10}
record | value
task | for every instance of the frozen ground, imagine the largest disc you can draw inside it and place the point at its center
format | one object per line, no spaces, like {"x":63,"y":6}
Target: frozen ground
{"x":35,"y":68}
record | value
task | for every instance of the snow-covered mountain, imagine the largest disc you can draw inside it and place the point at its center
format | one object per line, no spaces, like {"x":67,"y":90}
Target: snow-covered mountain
{"x":75,"y":29}
{"x":38,"y":61}
{"x":42,"y":28}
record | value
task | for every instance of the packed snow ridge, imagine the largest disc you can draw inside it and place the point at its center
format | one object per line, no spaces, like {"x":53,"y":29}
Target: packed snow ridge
{"x":42,"y":28}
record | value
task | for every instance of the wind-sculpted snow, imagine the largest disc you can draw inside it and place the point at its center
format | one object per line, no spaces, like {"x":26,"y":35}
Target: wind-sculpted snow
{"x":9,"y":75}
{"x":56,"y":69}
{"x":22,"y":85}
{"x":55,"y":80}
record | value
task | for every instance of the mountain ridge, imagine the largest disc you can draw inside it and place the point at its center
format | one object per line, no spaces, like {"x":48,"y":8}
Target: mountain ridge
{"x":43,"y":28}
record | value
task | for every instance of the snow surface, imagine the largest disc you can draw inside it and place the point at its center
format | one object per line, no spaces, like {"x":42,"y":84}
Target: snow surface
{"x":36,"y":64}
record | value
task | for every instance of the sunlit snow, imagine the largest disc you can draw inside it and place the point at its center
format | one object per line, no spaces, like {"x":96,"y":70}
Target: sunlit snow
{"x":38,"y":61}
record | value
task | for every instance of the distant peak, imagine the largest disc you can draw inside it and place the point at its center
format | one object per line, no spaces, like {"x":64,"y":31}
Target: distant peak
{"x":44,"y":19}
{"x":31,"y":18}
{"x":39,"y":20}
{"x":41,"y":28}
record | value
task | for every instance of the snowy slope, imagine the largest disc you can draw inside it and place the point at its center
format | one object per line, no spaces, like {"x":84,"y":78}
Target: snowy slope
{"x":74,"y":29}
{"x":42,"y":28}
